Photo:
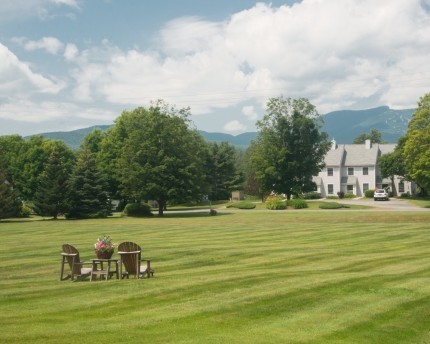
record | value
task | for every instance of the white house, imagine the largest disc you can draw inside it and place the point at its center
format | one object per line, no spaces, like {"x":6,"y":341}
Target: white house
{"x":353,"y":168}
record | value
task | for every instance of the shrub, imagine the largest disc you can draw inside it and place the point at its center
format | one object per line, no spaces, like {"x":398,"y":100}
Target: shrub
{"x":349,"y":195}
{"x":332,"y":197}
{"x":297,"y":203}
{"x":312,"y":195}
{"x":405,"y":195}
{"x":274,"y":198}
{"x":276,"y":205}
{"x":369,"y":193}
{"x":26,"y":211}
{"x":332,"y":205}
{"x":212,"y":212}
{"x":341,"y":194}
{"x":137,"y":210}
{"x":242,"y":205}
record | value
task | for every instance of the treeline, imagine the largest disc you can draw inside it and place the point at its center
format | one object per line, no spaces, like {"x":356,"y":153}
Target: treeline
{"x":149,"y":154}
{"x":156,"y":154}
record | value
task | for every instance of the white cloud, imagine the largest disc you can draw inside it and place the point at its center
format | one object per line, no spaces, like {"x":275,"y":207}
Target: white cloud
{"x":20,"y":9}
{"x":35,"y":112}
{"x":337,"y":54}
{"x":71,"y":52}
{"x":250,"y":113}
{"x":17,"y":80}
{"x":50,"y":44}
{"x":234,"y":127}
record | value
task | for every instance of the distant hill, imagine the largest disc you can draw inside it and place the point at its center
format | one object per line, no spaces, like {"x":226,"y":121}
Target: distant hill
{"x":346,"y":125}
{"x":343,"y":125}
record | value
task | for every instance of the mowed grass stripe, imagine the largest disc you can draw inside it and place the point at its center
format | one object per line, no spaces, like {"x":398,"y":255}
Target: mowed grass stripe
{"x":236,"y":278}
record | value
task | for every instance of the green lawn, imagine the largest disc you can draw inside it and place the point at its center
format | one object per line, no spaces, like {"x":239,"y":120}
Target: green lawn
{"x":248,"y":277}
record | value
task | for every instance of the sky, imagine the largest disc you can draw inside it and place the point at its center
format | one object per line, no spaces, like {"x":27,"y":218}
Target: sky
{"x":70,"y":64}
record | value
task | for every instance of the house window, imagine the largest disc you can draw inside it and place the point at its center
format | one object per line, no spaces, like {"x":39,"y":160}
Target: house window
{"x":401,"y":187}
{"x":365,"y":186}
{"x":365,"y":171}
{"x":350,"y":188}
{"x":330,"y":171}
{"x":330,"y":189}
{"x":350,"y":171}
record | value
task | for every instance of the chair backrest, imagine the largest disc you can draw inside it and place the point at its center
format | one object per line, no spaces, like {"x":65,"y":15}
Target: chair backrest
{"x":130,"y":254}
{"x":72,"y":256}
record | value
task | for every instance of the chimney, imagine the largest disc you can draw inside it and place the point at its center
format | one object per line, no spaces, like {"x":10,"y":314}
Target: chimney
{"x":333,"y":144}
{"x":368,"y":144}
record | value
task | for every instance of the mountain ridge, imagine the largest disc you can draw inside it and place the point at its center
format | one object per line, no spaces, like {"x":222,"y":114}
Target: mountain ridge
{"x":342,"y":125}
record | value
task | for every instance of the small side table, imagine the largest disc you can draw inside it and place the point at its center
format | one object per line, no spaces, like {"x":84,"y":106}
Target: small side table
{"x":104,"y":267}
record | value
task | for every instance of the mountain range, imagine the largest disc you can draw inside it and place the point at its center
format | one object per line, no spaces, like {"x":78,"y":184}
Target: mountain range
{"x":343,"y":126}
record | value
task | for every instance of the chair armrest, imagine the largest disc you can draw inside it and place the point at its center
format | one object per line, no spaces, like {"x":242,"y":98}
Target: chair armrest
{"x":128,"y":252}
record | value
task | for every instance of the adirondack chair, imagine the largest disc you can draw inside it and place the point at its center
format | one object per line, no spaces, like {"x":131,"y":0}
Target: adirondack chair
{"x":70,"y":256}
{"x":130,"y":259}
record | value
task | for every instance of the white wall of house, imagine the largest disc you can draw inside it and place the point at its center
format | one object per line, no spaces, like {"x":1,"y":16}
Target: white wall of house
{"x":356,"y":177}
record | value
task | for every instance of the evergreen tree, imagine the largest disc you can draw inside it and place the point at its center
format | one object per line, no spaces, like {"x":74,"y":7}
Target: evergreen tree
{"x":222,"y":173}
{"x":88,"y":197}
{"x":50,"y":198}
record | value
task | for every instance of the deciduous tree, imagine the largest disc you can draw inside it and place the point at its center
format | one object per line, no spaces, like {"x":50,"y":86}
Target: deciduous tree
{"x":289,"y":148}
{"x":416,"y":151}
{"x":161,"y":158}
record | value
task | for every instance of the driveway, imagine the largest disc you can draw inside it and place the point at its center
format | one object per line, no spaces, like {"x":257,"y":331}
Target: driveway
{"x":394,"y":204}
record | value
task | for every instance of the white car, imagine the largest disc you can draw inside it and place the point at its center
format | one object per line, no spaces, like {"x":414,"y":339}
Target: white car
{"x":380,"y":194}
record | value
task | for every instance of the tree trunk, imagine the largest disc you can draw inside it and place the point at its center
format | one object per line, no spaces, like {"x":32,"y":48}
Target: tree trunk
{"x":160,"y":207}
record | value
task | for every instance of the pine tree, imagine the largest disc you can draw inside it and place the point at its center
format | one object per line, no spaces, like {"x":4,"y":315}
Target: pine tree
{"x":88,"y":197}
{"x":50,"y":198}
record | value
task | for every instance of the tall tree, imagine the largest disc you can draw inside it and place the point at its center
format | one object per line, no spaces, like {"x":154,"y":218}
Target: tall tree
{"x":289,"y":148}
{"x":416,"y":151}
{"x":87,"y":191}
{"x":222,"y":172}
{"x":161,"y":157}
{"x":50,"y":198}
{"x":391,"y":164}
{"x":10,"y":205}
{"x":374,"y":136}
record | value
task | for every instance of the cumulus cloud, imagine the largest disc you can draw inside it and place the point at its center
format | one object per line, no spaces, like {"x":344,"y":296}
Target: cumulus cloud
{"x":31,"y":111}
{"x":18,"y":80}
{"x":338,"y":54}
{"x":250,"y":113}
{"x":51,"y":44}
{"x":71,"y":52}
{"x":234,"y":127}
{"x":11,"y":10}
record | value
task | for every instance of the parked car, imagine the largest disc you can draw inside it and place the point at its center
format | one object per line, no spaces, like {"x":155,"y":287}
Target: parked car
{"x":380,"y":194}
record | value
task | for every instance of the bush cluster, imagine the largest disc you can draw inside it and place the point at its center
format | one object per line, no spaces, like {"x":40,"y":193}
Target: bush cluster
{"x":349,"y":195}
{"x":369,"y":193}
{"x":312,"y":195}
{"x":332,"y":205}
{"x":242,"y":205}
{"x":137,"y":210}
{"x":297,"y":203}
{"x":276,"y":205}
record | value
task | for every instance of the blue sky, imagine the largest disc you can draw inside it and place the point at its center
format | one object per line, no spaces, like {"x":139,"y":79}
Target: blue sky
{"x":68,"y":64}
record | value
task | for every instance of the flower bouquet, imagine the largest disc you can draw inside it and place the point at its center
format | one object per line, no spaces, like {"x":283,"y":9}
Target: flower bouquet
{"x":104,"y":247}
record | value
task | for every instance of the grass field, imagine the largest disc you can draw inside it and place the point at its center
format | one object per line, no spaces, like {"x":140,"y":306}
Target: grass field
{"x":255,"y":277}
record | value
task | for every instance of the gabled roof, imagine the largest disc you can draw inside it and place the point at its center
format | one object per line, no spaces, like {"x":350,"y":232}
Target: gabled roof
{"x":357,"y":154}
{"x":334,"y":157}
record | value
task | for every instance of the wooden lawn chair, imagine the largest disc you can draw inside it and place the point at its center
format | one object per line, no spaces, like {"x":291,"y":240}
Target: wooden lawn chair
{"x":130,"y":259}
{"x":70,"y":256}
